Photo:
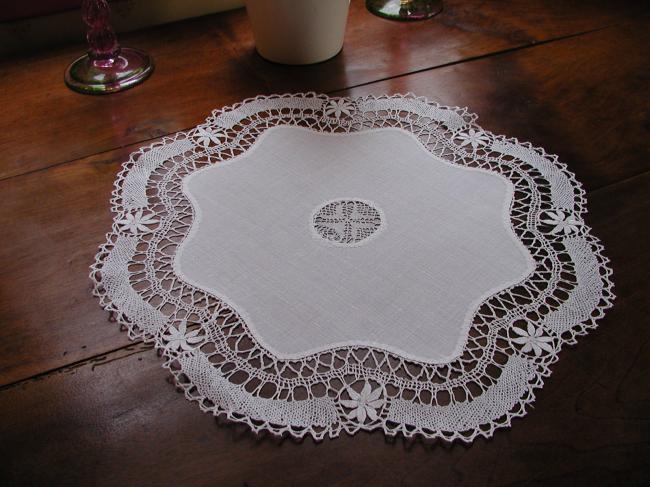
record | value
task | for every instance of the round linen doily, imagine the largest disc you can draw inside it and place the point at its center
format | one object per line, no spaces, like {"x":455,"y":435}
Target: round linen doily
{"x":312,"y":265}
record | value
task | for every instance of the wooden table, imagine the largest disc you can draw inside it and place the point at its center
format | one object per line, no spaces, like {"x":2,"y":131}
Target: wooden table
{"x":81,"y":404}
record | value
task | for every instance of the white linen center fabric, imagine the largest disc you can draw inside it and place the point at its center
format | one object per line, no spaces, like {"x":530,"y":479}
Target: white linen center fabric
{"x":310,"y":265}
{"x":412,"y":289}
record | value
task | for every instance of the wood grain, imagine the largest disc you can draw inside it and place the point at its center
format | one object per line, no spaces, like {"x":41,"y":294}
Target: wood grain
{"x":578,"y":98}
{"x":376,"y":48}
{"x":195,"y":72}
{"x":114,"y":421}
{"x":53,"y":222}
{"x":210,"y":61}
{"x":81,"y":405}
{"x":514,"y":93}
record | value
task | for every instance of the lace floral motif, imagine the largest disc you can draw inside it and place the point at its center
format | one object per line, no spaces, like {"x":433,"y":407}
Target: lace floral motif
{"x":338,"y":108}
{"x":561,"y":222}
{"x":474,"y":138}
{"x":180,"y":339}
{"x":363,"y":404}
{"x":533,"y":340}
{"x":207,"y":136}
{"x":136,"y":222}
{"x":516,"y":334}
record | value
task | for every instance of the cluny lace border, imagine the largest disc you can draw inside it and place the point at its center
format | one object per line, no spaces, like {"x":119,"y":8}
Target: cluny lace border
{"x":515,"y":336}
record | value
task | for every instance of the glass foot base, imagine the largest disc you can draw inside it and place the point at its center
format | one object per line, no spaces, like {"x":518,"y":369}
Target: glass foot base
{"x":101,"y":76}
{"x":404,"y":10}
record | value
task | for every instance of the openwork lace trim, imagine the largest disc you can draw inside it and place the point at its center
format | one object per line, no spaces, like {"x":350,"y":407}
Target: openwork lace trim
{"x":516,"y":334}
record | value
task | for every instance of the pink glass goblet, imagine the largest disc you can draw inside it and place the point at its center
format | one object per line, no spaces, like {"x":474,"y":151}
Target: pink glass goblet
{"x":404,"y":9}
{"x":107,"y":67}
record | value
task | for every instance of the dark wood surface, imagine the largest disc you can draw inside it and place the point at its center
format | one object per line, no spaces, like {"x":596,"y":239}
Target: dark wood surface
{"x":210,"y":61}
{"x":80,"y":404}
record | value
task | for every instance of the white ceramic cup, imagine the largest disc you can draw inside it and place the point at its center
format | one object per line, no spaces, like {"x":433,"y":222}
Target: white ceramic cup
{"x":298,"y":31}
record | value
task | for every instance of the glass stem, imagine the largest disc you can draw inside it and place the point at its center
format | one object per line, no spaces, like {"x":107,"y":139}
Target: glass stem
{"x":101,"y":37}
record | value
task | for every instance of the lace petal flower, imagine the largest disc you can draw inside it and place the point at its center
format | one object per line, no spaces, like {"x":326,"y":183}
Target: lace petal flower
{"x":545,"y":345}
{"x":531,"y":329}
{"x":138,"y":222}
{"x":361,"y":414}
{"x":474,"y":138}
{"x":363,"y":404}
{"x":372,"y":414}
{"x":206,"y":136}
{"x":349,"y":403}
{"x":179,"y":339}
{"x":374,"y":395}
{"x":376,"y":403}
{"x":521,"y":340}
{"x":354,"y":395}
{"x":532,"y":339}
{"x":337,"y":108}
{"x":561,"y":222}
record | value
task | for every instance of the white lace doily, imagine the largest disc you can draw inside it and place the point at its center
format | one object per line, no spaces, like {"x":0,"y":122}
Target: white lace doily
{"x":312,"y":265}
